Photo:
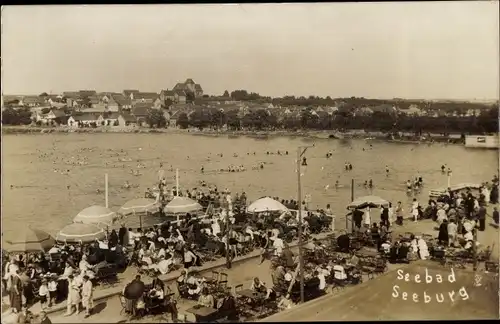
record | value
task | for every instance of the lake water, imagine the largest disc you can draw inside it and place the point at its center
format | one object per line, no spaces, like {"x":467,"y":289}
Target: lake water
{"x":40,"y":197}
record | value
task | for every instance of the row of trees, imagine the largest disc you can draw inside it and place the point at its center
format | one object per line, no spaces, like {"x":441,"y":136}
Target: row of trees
{"x":261,"y":119}
{"x":352,"y":102}
{"x":379,"y":121}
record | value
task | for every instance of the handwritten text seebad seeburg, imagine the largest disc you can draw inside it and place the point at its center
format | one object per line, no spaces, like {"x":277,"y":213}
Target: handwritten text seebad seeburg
{"x":428,"y":279}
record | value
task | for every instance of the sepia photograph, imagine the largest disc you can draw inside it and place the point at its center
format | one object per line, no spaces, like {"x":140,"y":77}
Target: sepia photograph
{"x":294,"y":162}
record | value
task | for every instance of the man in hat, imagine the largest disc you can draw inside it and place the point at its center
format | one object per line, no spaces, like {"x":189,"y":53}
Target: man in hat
{"x":44,"y":319}
{"x":87,"y":295}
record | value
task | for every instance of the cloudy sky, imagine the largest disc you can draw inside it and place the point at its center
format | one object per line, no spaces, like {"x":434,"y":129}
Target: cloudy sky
{"x":380,"y":50}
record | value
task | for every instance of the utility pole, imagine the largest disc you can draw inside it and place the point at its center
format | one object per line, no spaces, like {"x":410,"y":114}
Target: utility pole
{"x":228,"y":230}
{"x":300,"y":152}
{"x":474,"y":233}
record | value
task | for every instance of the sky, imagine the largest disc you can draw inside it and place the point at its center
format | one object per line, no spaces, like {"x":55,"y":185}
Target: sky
{"x":426,"y":50}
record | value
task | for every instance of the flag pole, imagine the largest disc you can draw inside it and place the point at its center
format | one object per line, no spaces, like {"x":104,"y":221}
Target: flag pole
{"x":106,"y":188}
{"x":177,"y":182}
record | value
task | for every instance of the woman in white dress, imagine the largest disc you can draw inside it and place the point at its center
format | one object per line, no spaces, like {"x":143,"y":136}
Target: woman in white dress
{"x":367,"y":221}
{"x":422,"y":248}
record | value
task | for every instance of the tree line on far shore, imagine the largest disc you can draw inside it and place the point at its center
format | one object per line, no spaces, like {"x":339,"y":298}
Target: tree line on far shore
{"x":261,"y":119}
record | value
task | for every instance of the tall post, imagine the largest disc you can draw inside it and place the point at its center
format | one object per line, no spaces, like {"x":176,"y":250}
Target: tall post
{"x":352,"y":213}
{"x":475,"y":247}
{"x":106,"y":188}
{"x":177,"y":182}
{"x":228,"y":230}
{"x":449,"y":180}
{"x":301,"y":259}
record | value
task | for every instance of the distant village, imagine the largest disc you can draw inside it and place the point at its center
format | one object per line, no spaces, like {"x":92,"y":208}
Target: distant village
{"x":131,"y":108}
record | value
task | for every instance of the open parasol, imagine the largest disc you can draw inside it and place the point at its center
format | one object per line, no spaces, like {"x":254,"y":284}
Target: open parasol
{"x":266,"y":204}
{"x":79,"y":232}
{"x":368,"y":201}
{"x":29,"y":240}
{"x":180,"y":205}
{"x":139,"y":206}
{"x":98,"y":215}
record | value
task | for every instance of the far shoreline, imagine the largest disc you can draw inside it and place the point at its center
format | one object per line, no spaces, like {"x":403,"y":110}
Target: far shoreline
{"x":306,"y":134}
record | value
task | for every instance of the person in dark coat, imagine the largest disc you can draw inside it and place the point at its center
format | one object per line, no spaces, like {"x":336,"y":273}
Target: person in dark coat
{"x":443,"y":237}
{"x":384,"y":216}
{"x":495,"y":215}
{"x":44,"y":319}
{"x":482,"y":218}
{"x":494,"y":194}
{"x":121,"y":235}
{"x":113,"y":239}
{"x":357,"y":217}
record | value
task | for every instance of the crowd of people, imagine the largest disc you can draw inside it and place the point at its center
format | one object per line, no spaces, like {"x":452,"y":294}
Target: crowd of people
{"x":62,"y":272}
{"x":70,"y":271}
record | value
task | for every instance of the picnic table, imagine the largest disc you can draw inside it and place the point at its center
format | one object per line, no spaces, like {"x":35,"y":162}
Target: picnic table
{"x":202,"y":313}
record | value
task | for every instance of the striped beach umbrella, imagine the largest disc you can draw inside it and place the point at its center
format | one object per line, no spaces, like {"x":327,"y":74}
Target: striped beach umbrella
{"x":182,"y":205}
{"x":79,"y":232}
{"x":29,"y":240}
{"x":139,"y":206}
{"x":97,"y":215}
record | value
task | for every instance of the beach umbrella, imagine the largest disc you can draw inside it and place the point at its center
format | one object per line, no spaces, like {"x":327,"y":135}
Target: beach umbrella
{"x":368,"y":201}
{"x":181,"y":205}
{"x":79,"y":232}
{"x":134,"y":290}
{"x":29,"y":240}
{"x":266,"y":204}
{"x":98,"y":215}
{"x":139,"y":206}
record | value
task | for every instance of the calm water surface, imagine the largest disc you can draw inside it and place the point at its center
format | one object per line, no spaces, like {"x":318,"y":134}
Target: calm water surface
{"x":40,"y":196}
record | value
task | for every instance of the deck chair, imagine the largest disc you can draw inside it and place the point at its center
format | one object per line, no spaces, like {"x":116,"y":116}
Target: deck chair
{"x":223,"y":279}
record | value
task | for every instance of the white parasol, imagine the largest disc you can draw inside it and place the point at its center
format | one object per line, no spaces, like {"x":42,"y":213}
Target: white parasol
{"x":98,"y":215}
{"x":266,"y":204}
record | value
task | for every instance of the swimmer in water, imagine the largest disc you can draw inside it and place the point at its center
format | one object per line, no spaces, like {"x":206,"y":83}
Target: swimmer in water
{"x":370,"y":183}
{"x":408,"y":185}
{"x":443,"y":168}
{"x":365,"y":184}
{"x":350,"y":166}
{"x":286,"y":153}
{"x":202,"y":170}
{"x":337,"y":184}
{"x":346,"y":166}
{"x":126,"y":185}
{"x":387,"y":169}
